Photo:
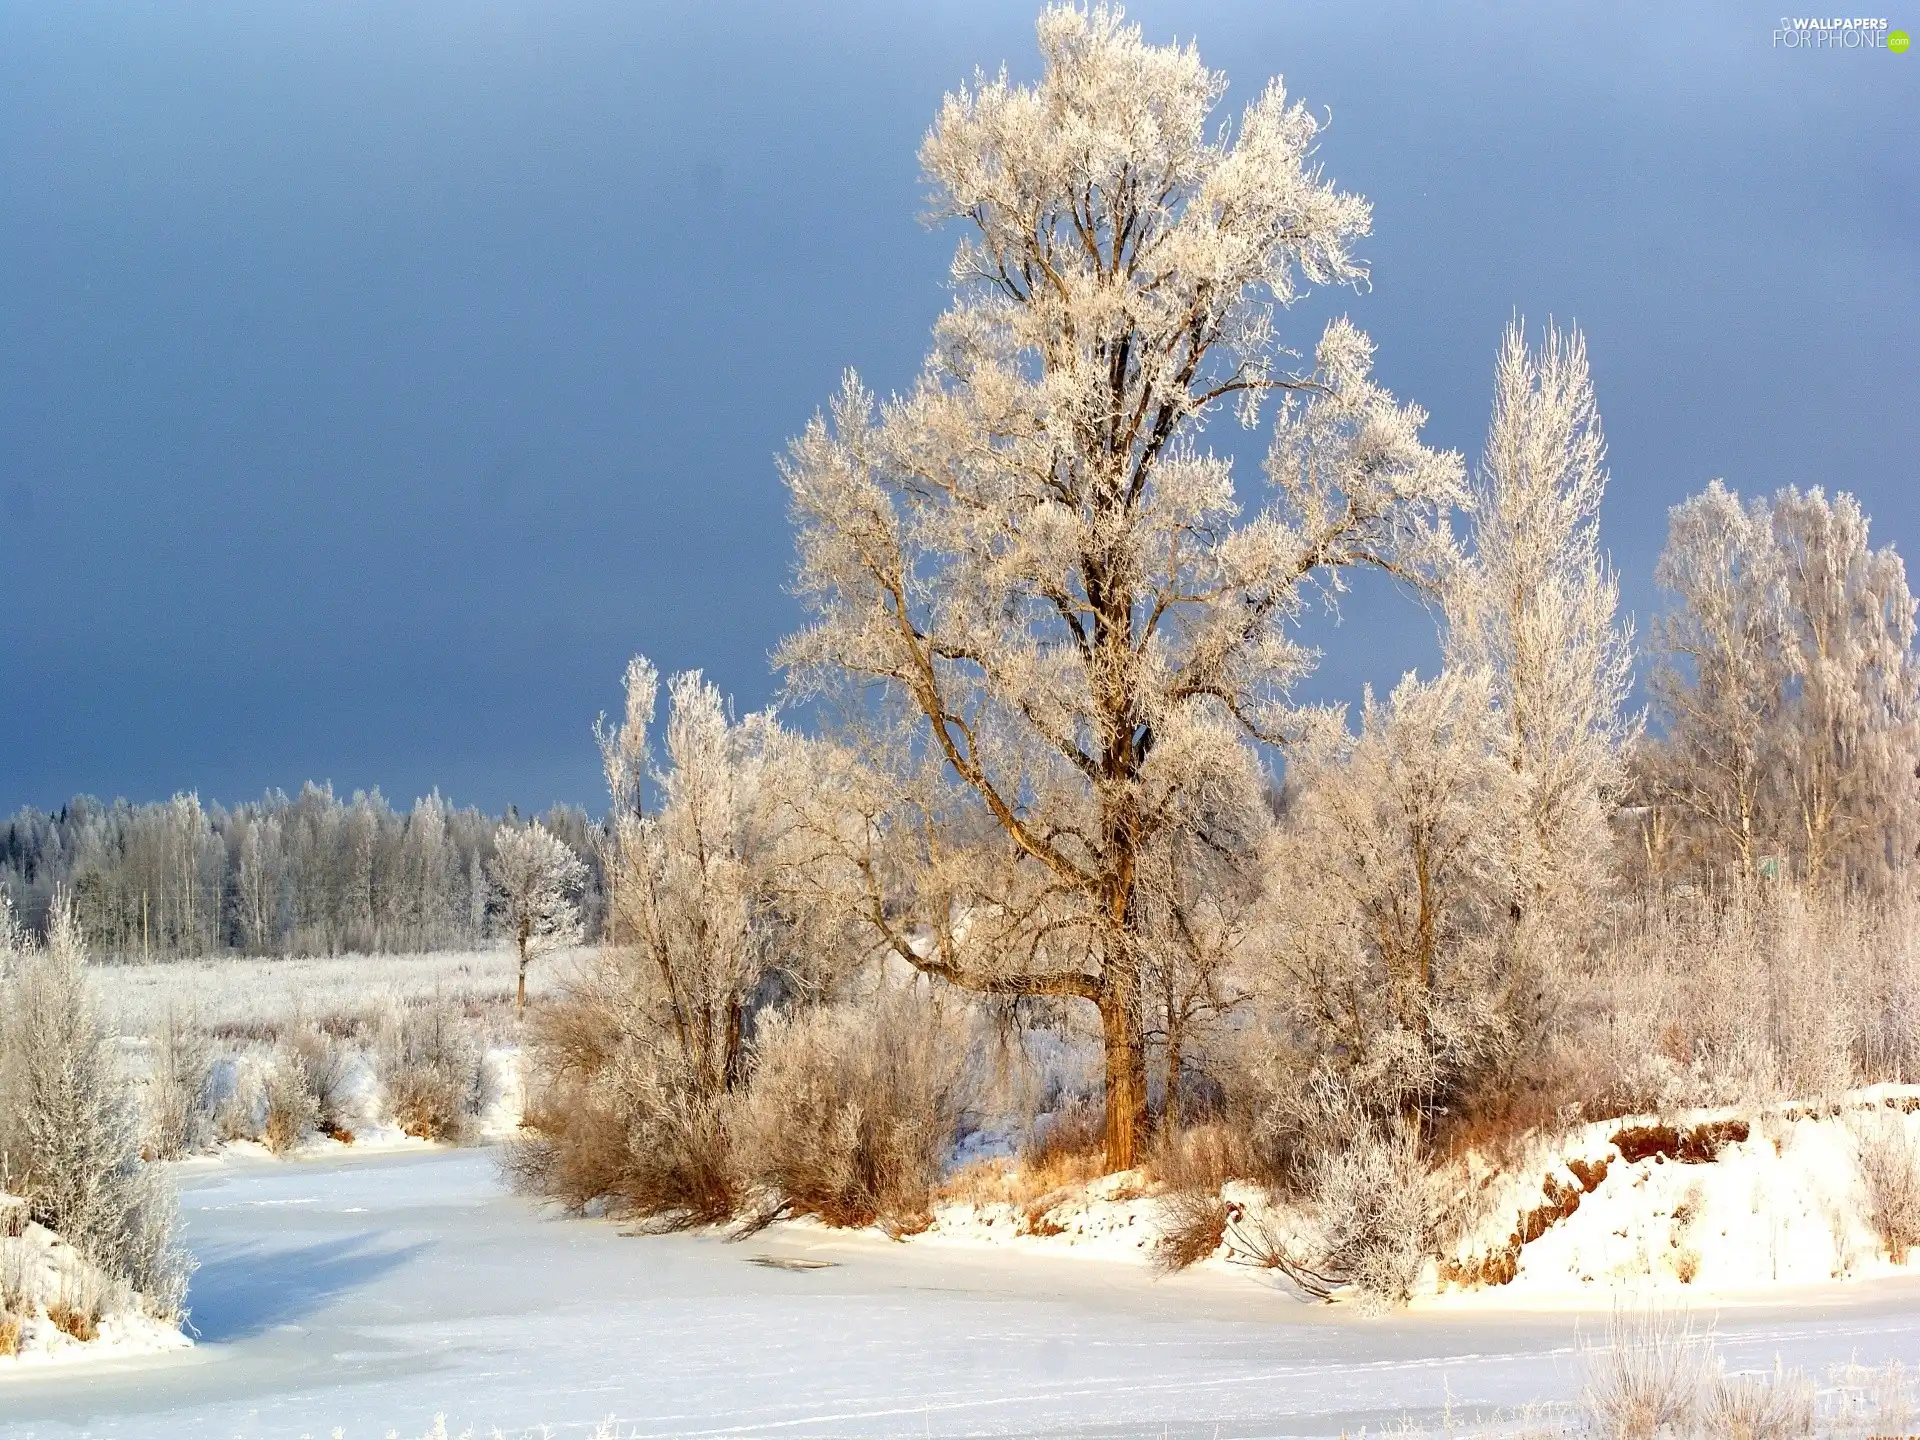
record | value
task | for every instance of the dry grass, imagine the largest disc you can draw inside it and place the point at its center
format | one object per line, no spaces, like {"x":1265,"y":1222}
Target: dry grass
{"x":82,"y":1322}
{"x":1773,"y":1405}
{"x":1065,"y":1151}
{"x":1192,"y":1226}
{"x":1200,"y":1157}
{"x":9,"y":1333}
{"x":1649,"y":1378}
{"x":1890,"y":1169}
{"x":1070,"y":1149}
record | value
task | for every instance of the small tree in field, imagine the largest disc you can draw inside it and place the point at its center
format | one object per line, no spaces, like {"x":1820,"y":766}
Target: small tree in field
{"x":1034,"y":558}
{"x":535,"y":878}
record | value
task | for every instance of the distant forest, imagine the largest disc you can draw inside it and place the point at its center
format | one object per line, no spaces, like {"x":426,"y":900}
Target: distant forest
{"x":311,"y":875}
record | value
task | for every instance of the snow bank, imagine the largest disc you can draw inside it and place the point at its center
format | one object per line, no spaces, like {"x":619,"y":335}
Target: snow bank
{"x":57,"y":1309}
{"x":1720,"y":1202}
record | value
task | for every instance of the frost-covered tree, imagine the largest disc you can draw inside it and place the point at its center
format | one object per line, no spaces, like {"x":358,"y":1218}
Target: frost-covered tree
{"x":640,"y":1062}
{"x":536,"y":877}
{"x":1392,"y":954}
{"x":1717,"y":680}
{"x":1848,"y":736}
{"x":1031,"y":554}
{"x":696,"y":925}
{"x":1534,"y":609}
{"x":1788,"y":686}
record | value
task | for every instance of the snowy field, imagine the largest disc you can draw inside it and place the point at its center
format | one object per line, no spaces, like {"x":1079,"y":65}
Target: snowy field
{"x":240,"y":994}
{"x":372,"y":1293}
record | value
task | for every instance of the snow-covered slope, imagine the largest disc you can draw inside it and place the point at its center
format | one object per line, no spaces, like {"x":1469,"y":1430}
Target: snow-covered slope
{"x":1718,"y":1201}
{"x":55,"y":1308}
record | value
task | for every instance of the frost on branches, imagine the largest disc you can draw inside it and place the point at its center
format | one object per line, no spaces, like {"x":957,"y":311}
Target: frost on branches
{"x":1031,"y":554}
{"x":1534,"y":611}
{"x":1788,"y":686}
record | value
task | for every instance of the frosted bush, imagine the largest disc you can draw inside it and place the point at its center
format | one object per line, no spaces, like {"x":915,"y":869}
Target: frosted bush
{"x":428,"y":1065}
{"x":70,"y":1126}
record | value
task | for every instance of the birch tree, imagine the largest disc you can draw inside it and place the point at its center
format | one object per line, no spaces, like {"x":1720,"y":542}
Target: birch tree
{"x":536,"y":876}
{"x":1789,"y":685}
{"x":1718,"y":681}
{"x":1848,"y":737}
{"x":1030,"y":555}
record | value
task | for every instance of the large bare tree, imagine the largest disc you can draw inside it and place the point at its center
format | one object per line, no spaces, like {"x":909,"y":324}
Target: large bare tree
{"x":1031,"y":555}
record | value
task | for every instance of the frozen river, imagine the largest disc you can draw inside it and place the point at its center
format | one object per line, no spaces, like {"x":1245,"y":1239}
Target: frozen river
{"x":373,"y":1293}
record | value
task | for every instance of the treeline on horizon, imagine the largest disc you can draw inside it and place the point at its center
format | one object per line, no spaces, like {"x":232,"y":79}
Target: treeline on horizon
{"x":308,"y":875}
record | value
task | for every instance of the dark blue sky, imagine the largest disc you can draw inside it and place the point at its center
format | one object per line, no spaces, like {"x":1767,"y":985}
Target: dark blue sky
{"x":374,"y":377}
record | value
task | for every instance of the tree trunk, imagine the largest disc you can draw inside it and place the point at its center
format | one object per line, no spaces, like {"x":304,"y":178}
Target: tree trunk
{"x":1176,"y":1057}
{"x":520,"y":998}
{"x":1126,"y":1064}
{"x":736,"y":1055}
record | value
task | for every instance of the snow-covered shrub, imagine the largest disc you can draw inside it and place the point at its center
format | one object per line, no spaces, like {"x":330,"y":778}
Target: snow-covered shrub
{"x":291,"y":1112}
{"x":179,"y":1116}
{"x":1890,"y":1170}
{"x":238,"y":1085}
{"x":613,"y":1117}
{"x":1372,"y":1202}
{"x":429,"y":1068}
{"x":325,"y":1066}
{"x":852,"y":1110}
{"x":70,"y":1127}
{"x":1750,"y":997}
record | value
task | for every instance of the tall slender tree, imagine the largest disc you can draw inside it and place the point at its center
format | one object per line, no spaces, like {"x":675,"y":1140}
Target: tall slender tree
{"x":1534,"y":609}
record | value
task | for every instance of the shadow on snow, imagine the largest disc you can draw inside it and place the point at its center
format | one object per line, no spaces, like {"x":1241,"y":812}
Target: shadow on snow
{"x":242,"y":1292}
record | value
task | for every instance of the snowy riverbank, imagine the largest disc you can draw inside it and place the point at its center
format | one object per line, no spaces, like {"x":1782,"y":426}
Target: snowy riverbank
{"x":372,"y":1292}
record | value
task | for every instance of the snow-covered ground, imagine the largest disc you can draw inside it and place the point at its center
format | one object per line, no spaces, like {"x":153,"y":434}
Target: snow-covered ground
{"x":238,"y":992}
{"x":370,"y":1292}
